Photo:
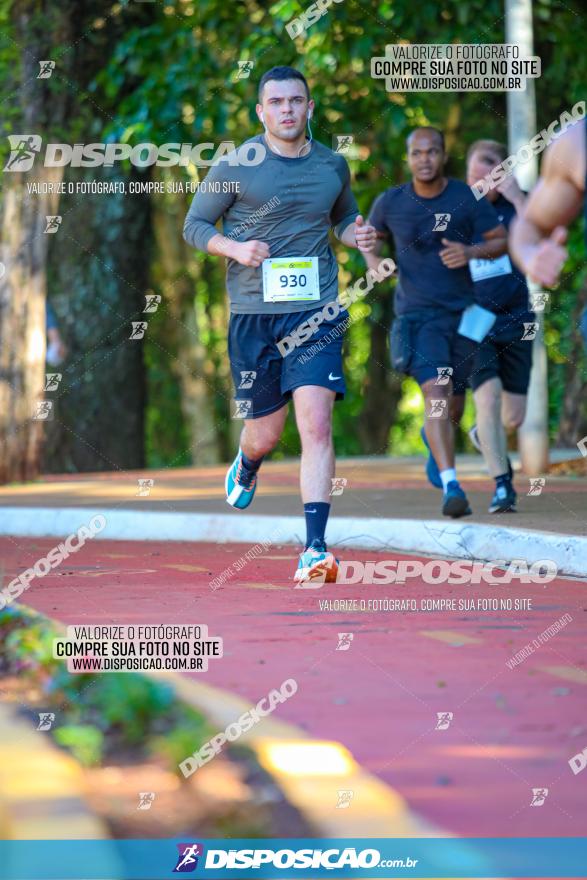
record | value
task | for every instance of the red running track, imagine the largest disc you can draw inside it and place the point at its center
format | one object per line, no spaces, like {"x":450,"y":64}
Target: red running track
{"x":512,"y":729}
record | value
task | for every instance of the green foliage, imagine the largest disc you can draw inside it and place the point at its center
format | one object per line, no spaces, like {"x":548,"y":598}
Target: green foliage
{"x":190,"y":732}
{"x":31,"y":646}
{"x":85,"y":742}
{"x":131,"y":704}
{"x":10,"y":617}
{"x":196,"y":96}
{"x":9,"y":71}
{"x":103,"y":712}
{"x":405,"y":433}
{"x":166,"y":72}
{"x":167,"y":439}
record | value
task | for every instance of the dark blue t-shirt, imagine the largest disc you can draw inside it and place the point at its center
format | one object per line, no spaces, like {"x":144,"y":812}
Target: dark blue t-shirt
{"x":505,"y":294}
{"x":418,"y":226}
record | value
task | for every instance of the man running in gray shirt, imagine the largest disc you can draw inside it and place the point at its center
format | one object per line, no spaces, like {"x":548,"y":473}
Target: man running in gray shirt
{"x":277,"y":211}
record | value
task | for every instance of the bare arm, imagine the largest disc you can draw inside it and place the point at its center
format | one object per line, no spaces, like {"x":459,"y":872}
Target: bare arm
{"x":373,"y":257}
{"x":359,"y":235}
{"x":494,"y":244}
{"x":539,"y":234}
{"x":455,"y":254}
{"x":510,"y":190}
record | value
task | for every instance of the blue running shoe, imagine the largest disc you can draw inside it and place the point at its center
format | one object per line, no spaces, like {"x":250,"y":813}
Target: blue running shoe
{"x":316,"y":567}
{"x":504,"y":500}
{"x":432,"y":471}
{"x":454,"y":501}
{"x":240,"y":484}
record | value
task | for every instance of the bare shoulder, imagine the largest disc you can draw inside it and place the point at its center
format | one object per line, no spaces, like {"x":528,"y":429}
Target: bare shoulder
{"x":566,"y":158}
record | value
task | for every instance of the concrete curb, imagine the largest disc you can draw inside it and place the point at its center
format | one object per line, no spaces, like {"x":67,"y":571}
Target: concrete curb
{"x":460,"y":539}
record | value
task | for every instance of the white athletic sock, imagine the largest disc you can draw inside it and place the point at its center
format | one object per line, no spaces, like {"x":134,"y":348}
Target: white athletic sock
{"x":447,"y":476}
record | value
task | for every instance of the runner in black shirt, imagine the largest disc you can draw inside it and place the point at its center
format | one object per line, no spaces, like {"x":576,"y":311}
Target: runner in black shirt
{"x":501,"y":370}
{"x":434,"y":222}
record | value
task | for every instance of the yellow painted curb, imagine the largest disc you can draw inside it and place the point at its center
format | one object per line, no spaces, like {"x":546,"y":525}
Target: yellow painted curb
{"x":311,"y":772}
{"x":41,"y":788}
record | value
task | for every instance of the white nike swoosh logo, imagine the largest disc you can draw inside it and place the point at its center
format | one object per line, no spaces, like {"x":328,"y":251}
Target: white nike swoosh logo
{"x":333,"y":378}
{"x":311,"y":511}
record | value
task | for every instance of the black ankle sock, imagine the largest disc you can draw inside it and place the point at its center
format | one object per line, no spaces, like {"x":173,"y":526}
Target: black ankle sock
{"x":250,"y":464}
{"x":503,"y":480}
{"x":316,"y":518}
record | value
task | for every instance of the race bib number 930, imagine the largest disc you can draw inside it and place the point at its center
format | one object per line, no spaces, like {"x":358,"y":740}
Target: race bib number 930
{"x":291,"y":279}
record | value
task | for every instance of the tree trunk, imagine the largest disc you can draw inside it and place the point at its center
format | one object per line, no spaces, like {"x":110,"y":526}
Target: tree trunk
{"x":23,"y":253}
{"x":382,"y":391}
{"x":98,"y":275}
{"x":218,"y":312}
{"x":96,"y":258}
{"x":36,"y":110}
{"x":187,"y":358}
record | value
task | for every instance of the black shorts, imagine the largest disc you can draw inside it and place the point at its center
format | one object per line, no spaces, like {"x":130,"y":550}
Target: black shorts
{"x":423,"y":344}
{"x":505,"y":356}
{"x":264,"y":377}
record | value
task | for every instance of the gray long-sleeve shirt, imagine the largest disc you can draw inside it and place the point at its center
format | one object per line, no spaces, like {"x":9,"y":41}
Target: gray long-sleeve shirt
{"x":291,"y":204}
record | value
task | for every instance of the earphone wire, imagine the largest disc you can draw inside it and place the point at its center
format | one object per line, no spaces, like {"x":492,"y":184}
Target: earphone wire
{"x":270,"y":142}
{"x":307,"y":143}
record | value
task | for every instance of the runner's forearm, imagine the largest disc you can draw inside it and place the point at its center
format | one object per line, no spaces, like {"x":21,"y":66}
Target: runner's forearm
{"x":519,"y":202}
{"x":487,"y":250}
{"x":348,"y":236}
{"x":525,"y":237}
{"x":221,"y":246}
{"x":372,"y":259}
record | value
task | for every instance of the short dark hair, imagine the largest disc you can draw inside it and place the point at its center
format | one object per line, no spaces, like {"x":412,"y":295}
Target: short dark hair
{"x":280,"y":74}
{"x":429,"y":128}
{"x":496,"y":149}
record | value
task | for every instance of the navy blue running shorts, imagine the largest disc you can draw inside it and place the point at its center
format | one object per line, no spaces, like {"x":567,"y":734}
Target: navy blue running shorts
{"x":425,"y":343}
{"x":265,"y":374}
